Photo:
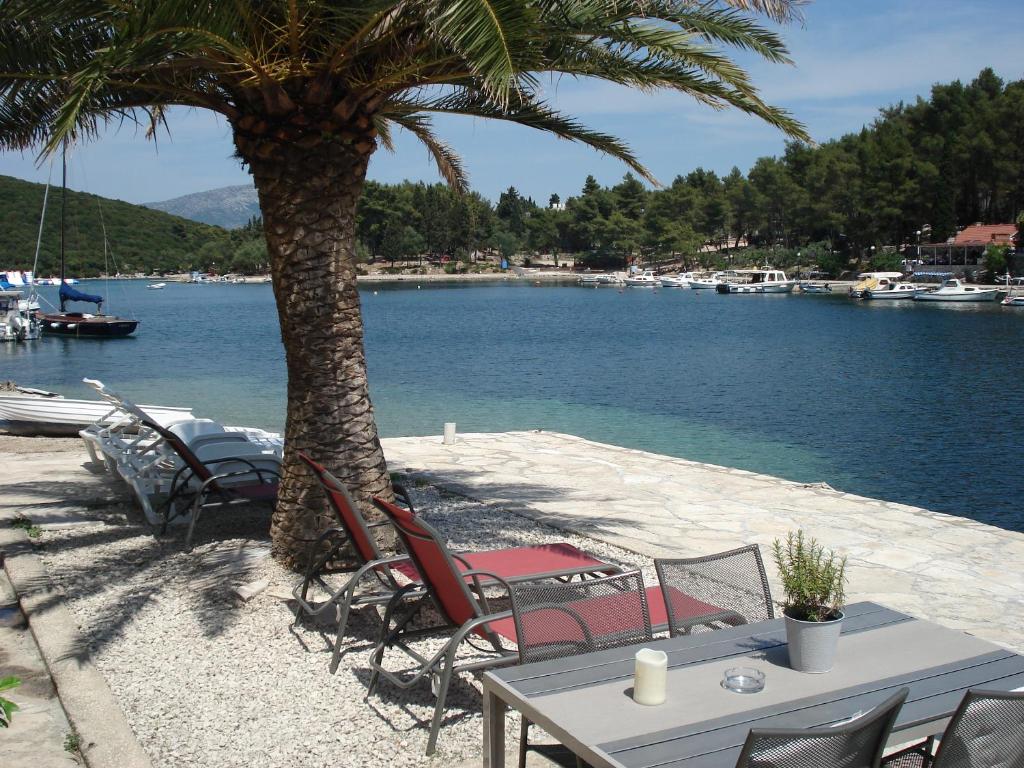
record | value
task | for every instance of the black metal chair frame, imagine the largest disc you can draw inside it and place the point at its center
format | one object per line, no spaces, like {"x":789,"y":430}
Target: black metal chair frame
{"x":887,"y":711}
{"x":678,"y":626}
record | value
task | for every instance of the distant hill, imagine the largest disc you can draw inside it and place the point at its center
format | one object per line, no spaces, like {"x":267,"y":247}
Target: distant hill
{"x":228,"y":207}
{"x":141,"y":239}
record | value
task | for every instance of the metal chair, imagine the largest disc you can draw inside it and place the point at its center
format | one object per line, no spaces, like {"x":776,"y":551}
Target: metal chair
{"x":555,"y":620}
{"x":353,"y":536}
{"x":694,"y":587}
{"x":857,"y":744}
{"x":986,"y":731}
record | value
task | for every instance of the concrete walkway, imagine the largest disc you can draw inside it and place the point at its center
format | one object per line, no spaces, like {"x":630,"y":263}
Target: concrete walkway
{"x":958,"y":572}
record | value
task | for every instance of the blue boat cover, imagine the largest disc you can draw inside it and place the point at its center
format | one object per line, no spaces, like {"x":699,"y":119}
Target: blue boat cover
{"x":67,"y":293}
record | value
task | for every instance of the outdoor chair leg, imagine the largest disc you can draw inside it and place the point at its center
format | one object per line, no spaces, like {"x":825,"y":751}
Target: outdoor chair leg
{"x":442,"y":693}
{"x":524,"y":732}
{"x":196,"y":507}
{"x":344,"y":609}
{"x":385,"y":637}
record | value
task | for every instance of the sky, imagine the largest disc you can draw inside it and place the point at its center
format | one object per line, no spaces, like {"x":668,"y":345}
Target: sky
{"x":852,"y":57}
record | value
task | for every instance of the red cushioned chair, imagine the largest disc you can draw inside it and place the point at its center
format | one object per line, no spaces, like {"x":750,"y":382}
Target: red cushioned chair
{"x":194,"y":487}
{"x":459,"y":598}
{"x":389,"y":574}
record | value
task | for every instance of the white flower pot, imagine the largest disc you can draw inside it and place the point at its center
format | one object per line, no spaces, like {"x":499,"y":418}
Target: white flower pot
{"x":812,"y":644}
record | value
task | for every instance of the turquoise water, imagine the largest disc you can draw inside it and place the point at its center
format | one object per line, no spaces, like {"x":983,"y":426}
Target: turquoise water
{"x":911,"y":403}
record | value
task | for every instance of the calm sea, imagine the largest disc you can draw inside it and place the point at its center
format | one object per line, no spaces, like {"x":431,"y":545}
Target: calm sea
{"x":910,"y":403}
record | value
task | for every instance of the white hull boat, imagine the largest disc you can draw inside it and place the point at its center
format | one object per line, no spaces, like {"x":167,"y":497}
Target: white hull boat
{"x":870,"y":281}
{"x":1013,"y":301}
{"x":765,"y":280}
{"x":644,"y":280}
{"x":589,"y":279}
{"x":703,"y":283}
{"x":813,"y":288}
{"x":156,"y":286}
{"x":954,"y":290}
{"x":17,"y":319}
{"x":611,"y":278}
{"x":891,"y":292}
{"x":677,"y":281}
{"x":33,"y":412}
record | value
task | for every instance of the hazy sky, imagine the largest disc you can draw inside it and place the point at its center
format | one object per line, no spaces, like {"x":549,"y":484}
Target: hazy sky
{"x":852,"y":57}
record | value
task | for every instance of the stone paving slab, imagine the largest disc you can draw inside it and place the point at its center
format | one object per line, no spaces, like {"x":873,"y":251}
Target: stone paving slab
{"x":958,"y":572}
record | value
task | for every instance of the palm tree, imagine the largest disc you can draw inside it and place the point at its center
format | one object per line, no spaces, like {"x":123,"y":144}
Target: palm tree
{"x":311,"y":88}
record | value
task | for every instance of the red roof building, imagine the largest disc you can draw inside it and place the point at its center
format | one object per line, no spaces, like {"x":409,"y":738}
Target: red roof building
{"x":987,"y":234}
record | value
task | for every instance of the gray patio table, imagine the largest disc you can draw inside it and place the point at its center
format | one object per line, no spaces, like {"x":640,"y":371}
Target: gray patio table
{"x":585,"y":701}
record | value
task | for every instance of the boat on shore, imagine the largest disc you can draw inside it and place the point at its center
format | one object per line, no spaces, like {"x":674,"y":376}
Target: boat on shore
{"x":765,"y":280}
{"x":35,"y":412}
{"x":955,"y":290}
{"x":891,"y":291}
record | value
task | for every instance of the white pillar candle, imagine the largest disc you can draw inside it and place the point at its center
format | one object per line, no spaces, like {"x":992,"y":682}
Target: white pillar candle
{"x":449,"y":433}
{"x":650,"y":677}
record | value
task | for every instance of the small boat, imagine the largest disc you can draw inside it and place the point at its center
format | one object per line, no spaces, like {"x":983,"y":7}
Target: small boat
{"x":716,"y":279}
{"x":1013,"y":301}
{"x":765,"y":280}
{"x":681,"y":280}
{"x":891,"y":291}
{"x":156,"y":286}
{"x":644,"y":279}
{"x":37,"y":412}
{"x":590,"y":279}
{"x":815,"y":288}
{"x":611,"y":278}
{"x":17,"y":319}
{"x":871,"y":280}
{"x":955,"y":290}
{"x":79,"y":324}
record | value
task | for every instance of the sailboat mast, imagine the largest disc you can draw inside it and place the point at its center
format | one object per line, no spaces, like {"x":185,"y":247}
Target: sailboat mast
{"x":63,"y":206}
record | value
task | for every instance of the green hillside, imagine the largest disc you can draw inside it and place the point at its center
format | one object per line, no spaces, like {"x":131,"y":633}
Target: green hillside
{"x":140,"y":239}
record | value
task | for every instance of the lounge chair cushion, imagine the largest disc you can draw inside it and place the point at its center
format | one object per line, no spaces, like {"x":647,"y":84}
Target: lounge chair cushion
{"x":541,"y":561}
{"x":568,"y":630}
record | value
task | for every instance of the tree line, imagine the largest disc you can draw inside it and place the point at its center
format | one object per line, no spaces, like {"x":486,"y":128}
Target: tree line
{"x":918,"y":173}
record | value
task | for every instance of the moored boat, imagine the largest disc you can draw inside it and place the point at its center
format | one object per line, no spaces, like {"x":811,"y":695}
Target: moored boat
{"x":682,"y":280}
{"x":703,"y":283}
{"x":17,"y":319}
{"x":955,"y":290}
{"x":766,"y":280}
{"x":891,"y":291}
{"x":873,"y":280}
{"x":156,"y":286}
{"x":815,"y":288}
{"x":646,"y":278}
{"x":589,"y":279}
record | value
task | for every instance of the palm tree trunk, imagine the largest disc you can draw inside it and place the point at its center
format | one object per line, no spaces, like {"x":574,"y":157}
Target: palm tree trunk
{"x":308,"y":197}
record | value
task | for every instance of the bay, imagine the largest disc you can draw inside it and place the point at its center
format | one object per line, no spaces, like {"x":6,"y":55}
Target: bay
{"x":904,"y":402}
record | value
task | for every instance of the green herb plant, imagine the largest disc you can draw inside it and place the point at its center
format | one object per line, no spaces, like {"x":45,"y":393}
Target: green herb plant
{"x":813,"y":579}
{"x":7,"y":707}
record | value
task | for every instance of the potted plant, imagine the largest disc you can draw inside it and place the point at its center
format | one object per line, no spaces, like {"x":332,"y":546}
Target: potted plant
{"x":813,"y":581}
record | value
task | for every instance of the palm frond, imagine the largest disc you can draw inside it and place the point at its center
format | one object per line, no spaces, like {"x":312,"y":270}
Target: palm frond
{"x":448,"y":163}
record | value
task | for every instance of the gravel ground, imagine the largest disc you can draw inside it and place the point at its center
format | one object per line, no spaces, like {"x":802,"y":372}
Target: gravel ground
{"x":208,"y":680}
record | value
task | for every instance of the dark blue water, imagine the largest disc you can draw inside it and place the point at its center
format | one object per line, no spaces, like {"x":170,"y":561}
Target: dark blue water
{"x":910,"y":403}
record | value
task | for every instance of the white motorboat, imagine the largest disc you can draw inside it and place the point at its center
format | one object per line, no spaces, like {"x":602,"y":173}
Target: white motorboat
{"x":766,"y":280}
{"x":156,"y":286}
{"x":612,"y":278}
{"x":711,"y":282}
{"x":871,"y":280}
{"x":815,"y":288}
{"x":589,"y":279}
{"x":891,"y":291}
{"x":682,"y":280}
{"x":35,"y":412}
{"x":646,"y":278}
{"x":17,"y":319}
{"x":955,"y":290}
{"x":1013,"y":301}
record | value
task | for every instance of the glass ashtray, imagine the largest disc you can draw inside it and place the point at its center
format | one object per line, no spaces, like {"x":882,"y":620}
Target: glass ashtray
{"x":743,"y":680}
